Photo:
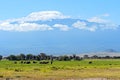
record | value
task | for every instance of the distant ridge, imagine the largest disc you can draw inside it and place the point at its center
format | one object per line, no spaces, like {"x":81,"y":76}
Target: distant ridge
{"x":107,"y":52}
{"x":110,"y":50}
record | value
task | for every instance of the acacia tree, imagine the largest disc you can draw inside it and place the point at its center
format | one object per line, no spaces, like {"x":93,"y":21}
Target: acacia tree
{"x":43,"y":56}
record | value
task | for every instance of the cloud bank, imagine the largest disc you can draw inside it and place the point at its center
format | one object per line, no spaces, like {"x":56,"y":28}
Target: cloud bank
{"x":83,"y":26}
{"x":40,"y":21}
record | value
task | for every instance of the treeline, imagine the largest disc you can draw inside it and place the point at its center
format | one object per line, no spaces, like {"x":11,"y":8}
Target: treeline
{"x":43,"y":56}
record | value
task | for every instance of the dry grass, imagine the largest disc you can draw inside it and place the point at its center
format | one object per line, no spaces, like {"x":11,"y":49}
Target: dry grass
{"x":76,"y":70}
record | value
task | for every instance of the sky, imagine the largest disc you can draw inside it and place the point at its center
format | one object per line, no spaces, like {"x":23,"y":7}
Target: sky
{"x":59,"y":26}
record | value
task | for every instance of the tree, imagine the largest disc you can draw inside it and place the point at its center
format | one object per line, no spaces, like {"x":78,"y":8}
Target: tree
{"x":85,"y":56}
{"x":43,"y":56}
{"x":71,"y":57}
{"x":94,"y":57}
{"x":34,"y":57}
{"x":18,"y":57}
{"x":29,"y":56}
{"x":51,"y":59}
{"x":64,"y":58}
{"x":74,"y":56}
{"x":22,"y":56}
{"x":107,"y":57}
{"x":12,"y":57}
{"x":78,"y":58}
{"x":0,"y":57}
{"x":38,"y":57}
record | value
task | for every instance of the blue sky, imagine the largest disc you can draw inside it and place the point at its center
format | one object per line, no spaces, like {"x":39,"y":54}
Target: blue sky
{"x":83,"y":8}
{"x":59,"y":26}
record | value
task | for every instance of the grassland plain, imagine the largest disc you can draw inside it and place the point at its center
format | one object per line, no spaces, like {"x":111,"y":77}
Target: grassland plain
{"x":99,"y":69}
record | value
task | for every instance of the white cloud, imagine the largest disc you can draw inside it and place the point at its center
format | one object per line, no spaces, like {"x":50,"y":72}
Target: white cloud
{"x":108,"y":26}
{"x":29,"y":23}
{"x":102,"y":23}
{"x":41,"y":16}
{"x":62,"y":27}
{"x":33,"y":26}
{"x":83,"y":26}
{"x":97,"y":20}
{"x":6,"y":26}
{"x":44,"y":15}
{"x":79,"y":25}
{"x":25,"y":24}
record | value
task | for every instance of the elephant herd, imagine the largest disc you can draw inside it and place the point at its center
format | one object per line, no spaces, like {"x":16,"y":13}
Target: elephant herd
{"x":30,"y":62}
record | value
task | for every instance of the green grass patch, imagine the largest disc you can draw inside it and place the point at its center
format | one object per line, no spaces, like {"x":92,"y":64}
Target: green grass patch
{"x":103,"y":68}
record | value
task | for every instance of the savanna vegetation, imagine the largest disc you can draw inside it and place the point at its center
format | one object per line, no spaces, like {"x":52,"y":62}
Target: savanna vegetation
{"x":44,"y":67}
